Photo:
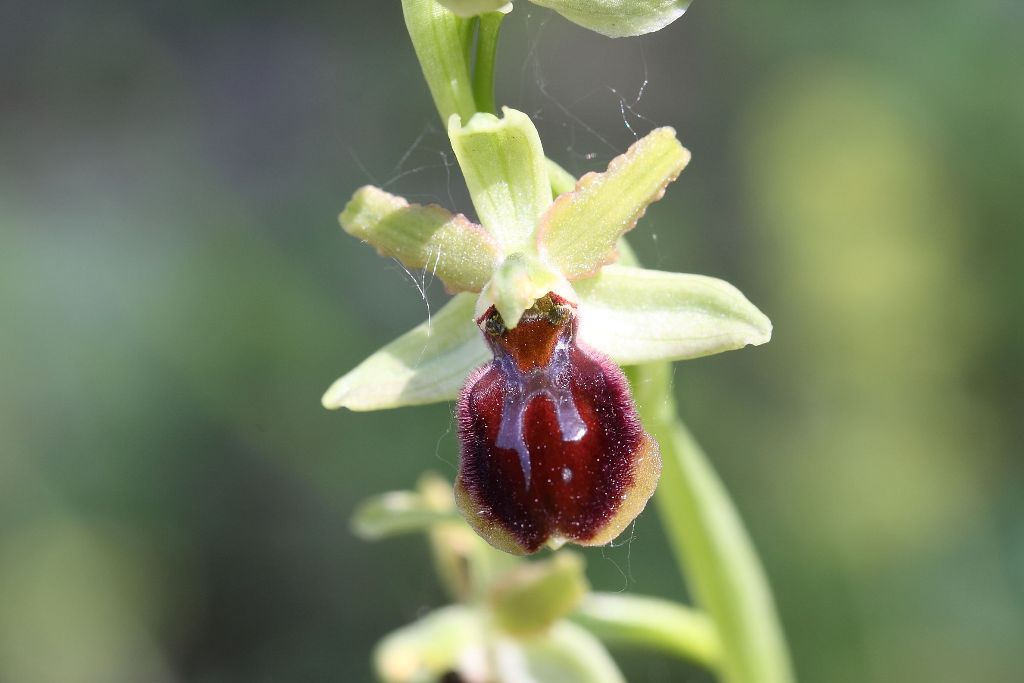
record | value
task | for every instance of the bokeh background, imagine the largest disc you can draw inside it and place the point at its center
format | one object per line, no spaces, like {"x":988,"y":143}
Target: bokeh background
{"x":175,"y":295}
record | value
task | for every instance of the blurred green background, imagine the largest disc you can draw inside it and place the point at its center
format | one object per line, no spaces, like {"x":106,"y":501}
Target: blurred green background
{"x":175,"y":296}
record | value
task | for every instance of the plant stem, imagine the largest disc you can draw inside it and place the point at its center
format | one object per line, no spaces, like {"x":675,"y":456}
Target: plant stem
{"x":651,"y":623}
{"x":486,"y":55}
{"x":711,"y":546}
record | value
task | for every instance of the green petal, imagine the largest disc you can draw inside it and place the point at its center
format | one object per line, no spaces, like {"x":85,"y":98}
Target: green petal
{"x":618,"y":18}
{"x":470,"y":8}
{"x":425,"y":365}
{"x":452,"y":247}
{"x":506,"y":172}
{"x":578,"y":233}
{"x":637,"y":316}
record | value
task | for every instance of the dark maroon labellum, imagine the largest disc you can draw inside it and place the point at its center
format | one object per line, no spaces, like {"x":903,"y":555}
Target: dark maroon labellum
{"x":552,"y":448}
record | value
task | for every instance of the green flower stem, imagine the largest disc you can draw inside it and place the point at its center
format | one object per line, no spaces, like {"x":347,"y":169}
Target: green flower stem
{"x":651,"y":623}
{"x":710,"y":542}
{"x":486,"y":54}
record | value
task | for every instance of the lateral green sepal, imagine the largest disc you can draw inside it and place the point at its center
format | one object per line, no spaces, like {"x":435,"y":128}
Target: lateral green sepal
{"x":635,"y":315}
{"x":425,"y":365}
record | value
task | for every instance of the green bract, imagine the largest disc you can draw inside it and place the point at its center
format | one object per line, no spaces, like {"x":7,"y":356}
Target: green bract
{"x":527,"y":245}
{"x":614,"y":18}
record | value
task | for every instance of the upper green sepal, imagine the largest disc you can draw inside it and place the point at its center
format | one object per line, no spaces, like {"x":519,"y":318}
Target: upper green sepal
{"x":452,"y":247}
{"x":425,"y":365}
{"x":579,"y":232}
{"x":619,"y":18}
{"x":506,"y":172}
{"x":634,"y":315}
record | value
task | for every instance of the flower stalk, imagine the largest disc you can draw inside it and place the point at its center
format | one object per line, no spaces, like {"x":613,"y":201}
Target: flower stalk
{"x":710,"y":543}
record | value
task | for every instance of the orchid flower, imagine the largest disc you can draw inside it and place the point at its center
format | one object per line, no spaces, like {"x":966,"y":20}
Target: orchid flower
{"x":544,"y":312}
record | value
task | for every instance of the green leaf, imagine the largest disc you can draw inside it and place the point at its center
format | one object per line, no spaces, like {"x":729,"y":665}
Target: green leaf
{"x":458,"y":251}
{"x":652,"y":623}
{"x":396,"y":513}
{"x":431,"y":647}
{"x":470,"y":8}
{"x":425,"y":365}
{"x":506,"y":172}
{"x":636,"y":315}
{"x":442,"y":40}
{"x":579,"y":232}
{"x":619,"y":18}
{"x":531,"y":597}
{"x":566,"y":654}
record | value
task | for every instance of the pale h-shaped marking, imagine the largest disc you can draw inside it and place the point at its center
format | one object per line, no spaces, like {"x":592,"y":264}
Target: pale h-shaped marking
{"x":552,"y":381}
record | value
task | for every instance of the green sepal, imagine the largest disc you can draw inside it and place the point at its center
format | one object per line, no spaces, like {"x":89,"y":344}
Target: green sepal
{"x":579,"y":232}
{"x":506,"y":172}
{"x":530,"y":598}
{"x":635,"y":315}
{"x":517,"y":284}
{"x":619,"y":18}
{"x":425,"y":365}
{"x":470,"y":8}
{"x":442,"y":42}
{"x":450,"y":246}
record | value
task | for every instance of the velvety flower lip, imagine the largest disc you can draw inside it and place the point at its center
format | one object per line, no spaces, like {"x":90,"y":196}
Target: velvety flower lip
{"x":552,"y":448}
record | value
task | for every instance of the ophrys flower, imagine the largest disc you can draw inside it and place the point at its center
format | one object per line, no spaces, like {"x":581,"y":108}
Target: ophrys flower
{"x":552,"y":449}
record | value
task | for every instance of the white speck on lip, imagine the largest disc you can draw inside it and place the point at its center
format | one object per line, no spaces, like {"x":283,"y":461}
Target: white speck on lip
{"x":566,"y":475}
